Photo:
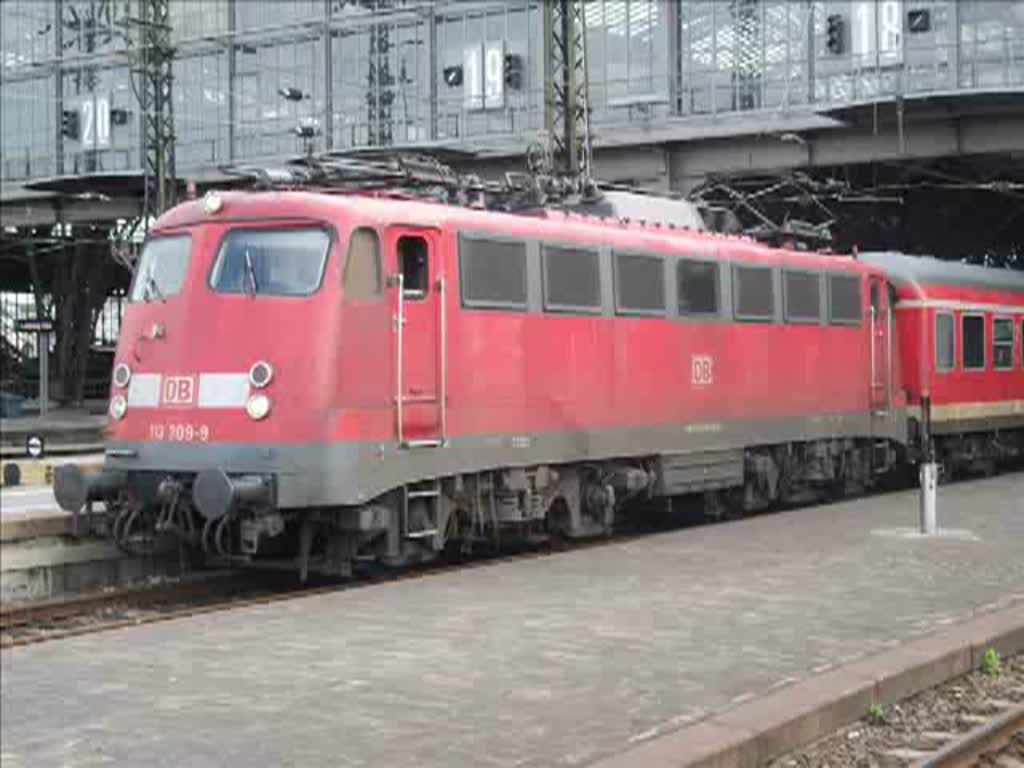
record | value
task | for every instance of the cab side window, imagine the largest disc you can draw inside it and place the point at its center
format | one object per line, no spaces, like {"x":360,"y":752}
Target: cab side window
{"x":413,"y":263}
{"x":362,"y":279}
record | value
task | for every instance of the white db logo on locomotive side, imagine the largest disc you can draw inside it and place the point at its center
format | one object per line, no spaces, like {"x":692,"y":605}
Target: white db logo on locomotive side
{"x":702,"y":370}
{"x":179,"y":390}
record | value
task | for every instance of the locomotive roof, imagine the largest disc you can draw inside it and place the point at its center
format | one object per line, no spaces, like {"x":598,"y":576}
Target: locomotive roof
{"x":923,"y":271}
{"x":549,"y":223}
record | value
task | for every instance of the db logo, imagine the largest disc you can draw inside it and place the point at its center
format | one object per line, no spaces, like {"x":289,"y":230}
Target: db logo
{"x":702,"y":370}
{"x":179,"y":390}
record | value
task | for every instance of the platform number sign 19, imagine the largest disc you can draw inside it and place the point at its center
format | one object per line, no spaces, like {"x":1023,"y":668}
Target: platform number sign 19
{"x":702,"y":370}
{"x":95,"y":122}
{"x":877,"y":32}
{"x":483,"y":78}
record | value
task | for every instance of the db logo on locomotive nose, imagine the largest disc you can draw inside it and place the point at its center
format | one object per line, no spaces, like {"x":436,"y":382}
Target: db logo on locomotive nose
{"x":179,"y":390}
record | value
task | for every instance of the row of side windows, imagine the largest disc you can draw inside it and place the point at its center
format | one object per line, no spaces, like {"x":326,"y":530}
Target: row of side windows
{"x":972,"y":342}
{"x":494,"y":274}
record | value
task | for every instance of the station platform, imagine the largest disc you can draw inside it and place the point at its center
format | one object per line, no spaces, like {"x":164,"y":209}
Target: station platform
{"x":28,"y":512}
{"x":63,"y":430}
{"x":578,"y":658}
{"x":34,"y":473}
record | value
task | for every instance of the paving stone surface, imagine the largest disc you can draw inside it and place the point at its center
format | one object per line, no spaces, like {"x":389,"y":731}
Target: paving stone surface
{"x":550,"y":661}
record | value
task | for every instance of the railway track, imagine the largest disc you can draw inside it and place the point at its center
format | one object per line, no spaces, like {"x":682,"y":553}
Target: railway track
{"x":207,"y":592}
{"x":989,"y":744}
{"x":973,"y":720}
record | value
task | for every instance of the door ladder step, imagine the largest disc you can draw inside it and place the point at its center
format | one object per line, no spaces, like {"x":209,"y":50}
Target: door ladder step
{"x":419,"y":399}
{"x":433,"y":442}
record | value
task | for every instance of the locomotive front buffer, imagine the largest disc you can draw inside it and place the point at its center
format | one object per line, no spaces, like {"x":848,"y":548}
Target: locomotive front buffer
{"x":206,"y":508}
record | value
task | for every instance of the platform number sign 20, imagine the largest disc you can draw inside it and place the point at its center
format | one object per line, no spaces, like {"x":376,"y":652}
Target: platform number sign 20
{"x":702,"y":370}
{"x":95,"y":119}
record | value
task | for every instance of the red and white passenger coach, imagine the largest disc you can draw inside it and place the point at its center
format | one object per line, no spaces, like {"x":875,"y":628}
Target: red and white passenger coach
{"x":343,"y":377}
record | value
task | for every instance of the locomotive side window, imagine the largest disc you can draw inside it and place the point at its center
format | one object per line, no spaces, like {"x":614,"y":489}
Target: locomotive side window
{"x":162,"y":268}
{"x":572,"y":280}
{"x":755,"y":294}
{"x":697,"y":287}
{"x":412,"y":260}
{"x":844,"y":297}
{"x":492,"y":273}
{"x":973,"y":327}
{"x":362,"y":278}
{"x":639,"y":284}
{"x":271,"y":262}
{"x":803,"y":297}
{"x":945,"y":342}
{"x":1002,"y":343}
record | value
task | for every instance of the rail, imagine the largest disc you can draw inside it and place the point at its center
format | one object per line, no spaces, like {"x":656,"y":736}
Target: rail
{"x":969,"y":748}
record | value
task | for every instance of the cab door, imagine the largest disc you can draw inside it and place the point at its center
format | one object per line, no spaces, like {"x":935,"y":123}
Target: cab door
{"x":416,"y":286}
{"x":881,"y":323}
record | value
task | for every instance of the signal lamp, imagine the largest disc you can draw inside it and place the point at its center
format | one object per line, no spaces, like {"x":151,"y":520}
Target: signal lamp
{"x":834,"y":33}
{"x":452,"y":76}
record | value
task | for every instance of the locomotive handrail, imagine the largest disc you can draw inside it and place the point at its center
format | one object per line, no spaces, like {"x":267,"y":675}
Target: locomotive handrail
{"x":443,"y":298}
{"x":400,"y":335}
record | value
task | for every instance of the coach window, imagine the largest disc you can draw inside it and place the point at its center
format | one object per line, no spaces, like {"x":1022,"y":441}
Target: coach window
{"x":639,"y":284}
{"x":697,"y":288}
{"x":844,"y":300}
{"x":362,"y":278}
{"x":1002,"y":343}
{"x":754,"y":293}
{"x":412,"y":260}
{"x":802,"y":297}
{"x":572,"y":280}
{"x":492,"y":273}
{"x":945,"y":342}
{"x":973,"y":333}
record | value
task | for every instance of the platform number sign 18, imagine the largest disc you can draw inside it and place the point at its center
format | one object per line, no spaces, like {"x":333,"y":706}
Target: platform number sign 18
{"x":95,"y":120}
{"x":483,"y":78}
{"x":702,"y":370}
{"x":878,"y":31}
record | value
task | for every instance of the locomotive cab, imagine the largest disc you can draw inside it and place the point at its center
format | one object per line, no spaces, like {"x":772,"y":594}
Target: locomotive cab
{"x":223,"y":383}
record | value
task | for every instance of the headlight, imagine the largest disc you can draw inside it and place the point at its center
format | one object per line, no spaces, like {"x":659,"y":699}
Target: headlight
{"x":118,"y":407}
{"x":258,"y":406}
{"x":212,"y":202}
{"x":260,"y":374}
{"x":122,"y":375}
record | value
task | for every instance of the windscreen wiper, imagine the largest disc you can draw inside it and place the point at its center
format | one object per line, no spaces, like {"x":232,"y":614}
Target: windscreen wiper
{"x":152,"y":289}
{"x":251,"y":272}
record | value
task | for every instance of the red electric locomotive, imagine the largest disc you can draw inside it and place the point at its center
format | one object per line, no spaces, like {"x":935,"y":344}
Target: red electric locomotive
{"x":333,"y":378}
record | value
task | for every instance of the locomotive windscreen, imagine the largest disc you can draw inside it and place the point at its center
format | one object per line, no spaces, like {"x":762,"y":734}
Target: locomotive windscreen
{"x":162,"y":268}
{"x":272,"y":262}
